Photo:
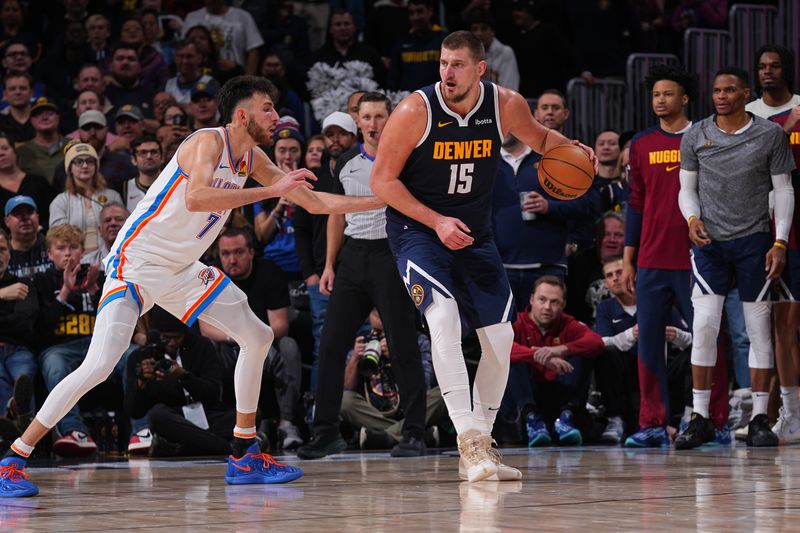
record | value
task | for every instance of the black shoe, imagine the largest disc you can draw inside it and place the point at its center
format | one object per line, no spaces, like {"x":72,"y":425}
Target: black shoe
{"x":322,"y":445}
{"x":161,"y":447}
{"x":699,"y":431}
{"x":20,"y":409}
{"x":759,"y":434}
{"x":409,"y":447}
{"x":374,"y":439}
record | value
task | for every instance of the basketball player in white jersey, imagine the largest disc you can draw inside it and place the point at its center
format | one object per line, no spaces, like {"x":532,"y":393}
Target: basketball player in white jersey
{"x":154,"y":260}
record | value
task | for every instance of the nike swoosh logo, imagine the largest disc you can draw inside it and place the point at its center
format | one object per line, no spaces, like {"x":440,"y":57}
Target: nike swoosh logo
{"x":242,"y":468}
{"x":443,"y":124}
{"x":446,"y":393}
{"x":224,"y":166}
{"x":616,"y":320}
{"x":673,"y":167}
{"x":493,"y":409}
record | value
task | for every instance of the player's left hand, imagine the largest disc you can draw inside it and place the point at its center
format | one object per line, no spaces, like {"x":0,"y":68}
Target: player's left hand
{"x":775,"y":261}
{"x":590,"y":153}
{"x":543,"y":354}
{"x":453,"y":233}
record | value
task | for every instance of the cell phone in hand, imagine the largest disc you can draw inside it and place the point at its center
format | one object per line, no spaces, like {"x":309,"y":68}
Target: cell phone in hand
{"x":83,"y":272}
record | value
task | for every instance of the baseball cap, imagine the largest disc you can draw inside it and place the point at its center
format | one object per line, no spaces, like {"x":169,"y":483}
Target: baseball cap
{"x":209,"y":88}
{"x":78,"y":149}
{"x":43,"y":103}
{"x":129,"y":110}
{"x":17,"y":201}
{"x":338,"y":118}
{"x":288,"y":128}
{"x":92,"y":116}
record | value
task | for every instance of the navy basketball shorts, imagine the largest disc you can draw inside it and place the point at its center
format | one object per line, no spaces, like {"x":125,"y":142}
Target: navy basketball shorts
{"x":474,"y":276}
{"x":721,"y":265}
{"x":787,"y":288}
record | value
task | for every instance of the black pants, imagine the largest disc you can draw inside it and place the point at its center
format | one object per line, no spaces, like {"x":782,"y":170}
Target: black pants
{"x":169,"y":422}
{"x":367,"y":277}
{"x":617,"y":375}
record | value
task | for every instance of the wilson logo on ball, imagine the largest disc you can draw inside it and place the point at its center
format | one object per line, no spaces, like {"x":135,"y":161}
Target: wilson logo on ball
{"x":566,"y":172}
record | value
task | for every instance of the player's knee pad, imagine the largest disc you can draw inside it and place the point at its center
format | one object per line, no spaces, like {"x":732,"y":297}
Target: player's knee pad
{"x":705,"y":328}
{"x":496,"y":341}
{"x":444,"y":324}
{"x":757,"y":322}
{"x":255,"y":337}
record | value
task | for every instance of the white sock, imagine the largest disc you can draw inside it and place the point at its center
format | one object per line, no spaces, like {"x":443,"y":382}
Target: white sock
{"x":244,"y":433}
{"x":760,"y":402}
{"x":700,"y":401}
{"x":22,"y":449}
{"x":789,"y":400}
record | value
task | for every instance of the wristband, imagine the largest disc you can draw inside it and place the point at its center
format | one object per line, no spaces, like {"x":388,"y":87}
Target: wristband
{"x":691,"y":218}
{"x":779,"y":244}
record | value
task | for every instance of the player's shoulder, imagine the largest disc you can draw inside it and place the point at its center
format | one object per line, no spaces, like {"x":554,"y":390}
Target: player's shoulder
{"x":645,"y":133}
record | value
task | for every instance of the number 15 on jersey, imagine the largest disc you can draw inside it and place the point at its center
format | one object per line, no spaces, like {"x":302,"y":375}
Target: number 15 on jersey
{"x":461,"y":178}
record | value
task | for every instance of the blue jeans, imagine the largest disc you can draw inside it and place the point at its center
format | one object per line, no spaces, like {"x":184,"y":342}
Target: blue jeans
{"x":58,"y":362}
{"x":14,"y":361}
{"x":319,"y":305}
{"x":740,"y":342}
{"x":522,"y":280}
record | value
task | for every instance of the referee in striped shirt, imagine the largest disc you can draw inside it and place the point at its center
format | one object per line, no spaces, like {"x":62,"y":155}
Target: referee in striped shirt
{"x":366,"y":276}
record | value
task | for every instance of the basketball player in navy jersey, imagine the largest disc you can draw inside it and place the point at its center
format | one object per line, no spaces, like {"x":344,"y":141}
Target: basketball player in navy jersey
{"x":435,"y":169}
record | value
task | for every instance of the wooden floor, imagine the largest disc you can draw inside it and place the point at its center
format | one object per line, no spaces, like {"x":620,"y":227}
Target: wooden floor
{"x":587,"y":489}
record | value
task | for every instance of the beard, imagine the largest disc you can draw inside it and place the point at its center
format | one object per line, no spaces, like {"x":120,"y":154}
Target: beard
{"x":456,"y":98}
{"x":259,"y":134}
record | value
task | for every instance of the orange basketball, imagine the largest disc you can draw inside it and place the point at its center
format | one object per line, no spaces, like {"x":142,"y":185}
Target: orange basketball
{"x":566,"y":172}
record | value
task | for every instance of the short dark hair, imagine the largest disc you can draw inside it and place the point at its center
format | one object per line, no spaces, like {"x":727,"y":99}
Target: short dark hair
{"x":123,"y":46}
{"x":611,"y":259}
{"x":430,"y":4}
{"x":18,"y":74}
{"x":738,"y":72}
{"x":557,"y":93}
{"x":231,"y":232}
{"x":239,"y":89}
{"x":375,"y":96}
{"x":141,"y":139}
{"x":687,"y":82}
{"x":465,"y":39}
{"x":183,"y":43}
{"x":787,"y":63}
{"x":549,"y":279}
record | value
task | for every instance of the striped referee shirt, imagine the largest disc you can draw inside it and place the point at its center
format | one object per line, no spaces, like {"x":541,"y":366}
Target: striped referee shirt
{"x":352,"y":172}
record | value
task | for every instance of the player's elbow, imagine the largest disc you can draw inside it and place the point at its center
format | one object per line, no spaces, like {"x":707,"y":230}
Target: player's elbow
{"x":192,"y":202}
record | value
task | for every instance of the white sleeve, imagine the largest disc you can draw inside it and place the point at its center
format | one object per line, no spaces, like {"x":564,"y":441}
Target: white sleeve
{"x":784,"y":204}
{"x":688,"y":200}
{"x":683,"y":339}
{"x":621,"y":341}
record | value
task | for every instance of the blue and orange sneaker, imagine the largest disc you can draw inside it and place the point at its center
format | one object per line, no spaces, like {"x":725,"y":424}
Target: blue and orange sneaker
{"x":13,"y":480}
{"x":256,"y":467}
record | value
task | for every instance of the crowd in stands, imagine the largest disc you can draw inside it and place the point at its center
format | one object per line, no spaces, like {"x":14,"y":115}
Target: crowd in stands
{"x":96,"y":98}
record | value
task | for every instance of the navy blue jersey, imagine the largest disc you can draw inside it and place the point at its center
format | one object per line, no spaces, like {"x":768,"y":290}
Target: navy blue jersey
{"x":453,"y":166}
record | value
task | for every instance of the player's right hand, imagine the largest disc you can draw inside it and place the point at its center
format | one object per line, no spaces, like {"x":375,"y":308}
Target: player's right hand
{"x":453,"y":233}
{"x":560,"y":366}
{"x":15,"y":291}
{"x":698,"y":234}
{"x":628,"y":277}
{"x":326,"y":281}
{"x":291,"y":181}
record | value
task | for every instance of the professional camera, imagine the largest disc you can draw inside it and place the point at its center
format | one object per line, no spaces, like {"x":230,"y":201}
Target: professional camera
{"x":154,"y":349}
{"x":368,"y":364}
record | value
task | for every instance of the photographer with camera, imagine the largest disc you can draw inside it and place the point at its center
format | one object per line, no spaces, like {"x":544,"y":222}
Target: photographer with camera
{"x":371,"y":400}
{"x":174,"y":380}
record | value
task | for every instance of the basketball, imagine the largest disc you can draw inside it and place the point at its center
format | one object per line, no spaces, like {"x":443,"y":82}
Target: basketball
{"x":566,"y":172}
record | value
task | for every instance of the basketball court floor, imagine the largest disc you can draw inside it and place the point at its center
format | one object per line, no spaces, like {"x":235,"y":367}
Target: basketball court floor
{"x":591,"y":489}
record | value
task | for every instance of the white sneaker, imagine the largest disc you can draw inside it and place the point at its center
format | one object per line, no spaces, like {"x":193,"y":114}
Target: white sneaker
{"x":140,"y":442}
{"x":787,"y":428}
{"x":478,"y":463}
{"x":504,"y":472}
{"x":615,"y":430}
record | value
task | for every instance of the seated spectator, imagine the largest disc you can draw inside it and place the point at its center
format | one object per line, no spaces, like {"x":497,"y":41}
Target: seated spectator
{"x":88,"y":100}
{"x":19,"y":306}
{"x":268,"y":297}
{"x":148,"y":158}
{"x":69,"y":293}
{"x":28,"y":249}
{"x":613,"y":190}
{"x":585,"y":285}
{"x":155,"y":37}
{"x":16,"y":116}
{"x":84,"y":195}
{"x":42,"y":154}
{"x":274,"y":222}
{"x":14,"y":181}
{"x":115,"y":166}
{"x":90,"y":76}
{"x":274,"y":69}
{"x":173,"y":131}
{"x":98,"y":39}
{"x":13,"y":27}
{"x":237,"y":30}
{"x":154,"y":69}
{"x":551,"y":366}
{"x":126,"y":85}
{"x":112,"y":217}
{"x":129,"y":124}
{"x":178,"y":387}
{"x":501,"y":63}
{"x":17,"y":58}
{"x":212,"y":63}
{"x":189,"y":73}
{"x":617,"y":369}
{"x":415,"y":57}
{"x":161,"y":101}
{"x":371,"y":400}
{"x":314,"y":151}
{"x":204,"y":107}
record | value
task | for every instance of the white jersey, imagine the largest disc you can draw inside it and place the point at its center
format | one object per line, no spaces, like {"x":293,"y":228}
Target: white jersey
{"x":161,"y":231}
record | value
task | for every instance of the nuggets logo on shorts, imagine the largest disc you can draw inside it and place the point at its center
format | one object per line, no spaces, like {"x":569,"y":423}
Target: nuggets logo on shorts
{"x":207,"y":275}
{"x":417,"y":294}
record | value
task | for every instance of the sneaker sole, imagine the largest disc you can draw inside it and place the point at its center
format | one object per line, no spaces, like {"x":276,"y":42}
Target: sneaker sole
{"x":571,"y":438}
{"x":319,"y":454}
{"x":255,"y":479}
{"x":541,"y":440}
{"x":629,"y":443}
{"x":20,"y":493}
